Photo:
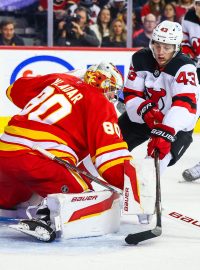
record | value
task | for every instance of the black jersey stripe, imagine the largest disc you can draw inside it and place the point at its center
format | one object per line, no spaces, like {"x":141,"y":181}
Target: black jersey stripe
{"x":185,"y":99}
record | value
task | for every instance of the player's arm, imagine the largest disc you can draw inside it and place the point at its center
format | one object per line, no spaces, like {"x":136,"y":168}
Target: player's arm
{"x":186,"y":46}
{"x":138,"y":108}
{"x":107,"y":149}
{"x":183,"y":111}
{"x":182,"y":114}
{"x":25,"y":88}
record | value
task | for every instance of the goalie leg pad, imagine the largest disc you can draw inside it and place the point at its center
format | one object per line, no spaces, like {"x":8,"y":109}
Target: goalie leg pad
{"x":139,"y":189}
{"x":84,"y":214}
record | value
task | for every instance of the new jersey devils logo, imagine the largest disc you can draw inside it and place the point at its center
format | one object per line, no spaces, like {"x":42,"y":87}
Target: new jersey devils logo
{"x":157,"y":95}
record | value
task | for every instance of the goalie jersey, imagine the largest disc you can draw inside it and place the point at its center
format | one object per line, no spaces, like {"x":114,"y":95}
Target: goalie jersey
{"x":174,"y":88}
{"x":69,"y":118}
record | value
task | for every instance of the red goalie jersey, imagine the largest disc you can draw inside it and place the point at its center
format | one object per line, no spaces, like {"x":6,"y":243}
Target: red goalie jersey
{"x":69,"y":118}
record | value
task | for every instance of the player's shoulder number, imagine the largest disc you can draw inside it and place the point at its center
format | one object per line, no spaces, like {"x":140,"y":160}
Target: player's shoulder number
{"x":186,"y":78}
{"x":111,"y":128}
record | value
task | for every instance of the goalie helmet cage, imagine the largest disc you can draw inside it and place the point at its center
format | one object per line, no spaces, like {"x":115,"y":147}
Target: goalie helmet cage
{"x":134,"y":239}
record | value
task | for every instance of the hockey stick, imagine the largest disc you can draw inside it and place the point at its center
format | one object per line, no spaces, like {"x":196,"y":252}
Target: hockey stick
{"x":73,"y":167}
{"x":134,"y":239}
{"x":182,"y":218}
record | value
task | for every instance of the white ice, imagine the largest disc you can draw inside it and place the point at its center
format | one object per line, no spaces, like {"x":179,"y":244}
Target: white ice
{"x":177,"y":248}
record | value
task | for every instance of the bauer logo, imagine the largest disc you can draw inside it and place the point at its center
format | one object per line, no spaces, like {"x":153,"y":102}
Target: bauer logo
{"x":185,"y":219}
{"x":84,"y":198}
{"x":126,"y":199}
{"x":40,"y":65}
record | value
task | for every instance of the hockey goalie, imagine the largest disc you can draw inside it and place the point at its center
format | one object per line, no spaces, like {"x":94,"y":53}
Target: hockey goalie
{"x":70,"y":118}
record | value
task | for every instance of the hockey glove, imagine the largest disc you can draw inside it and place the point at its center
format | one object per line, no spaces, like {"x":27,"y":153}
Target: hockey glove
{"x":150,"y":113}
{"x":161,"y":138}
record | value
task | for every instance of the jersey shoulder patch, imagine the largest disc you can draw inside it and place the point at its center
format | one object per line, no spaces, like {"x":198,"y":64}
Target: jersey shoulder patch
{"x":143,"y":60}
{"x":176,"y":63}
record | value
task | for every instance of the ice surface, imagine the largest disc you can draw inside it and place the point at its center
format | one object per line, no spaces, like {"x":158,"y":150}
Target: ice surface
{"x":177,"y":248}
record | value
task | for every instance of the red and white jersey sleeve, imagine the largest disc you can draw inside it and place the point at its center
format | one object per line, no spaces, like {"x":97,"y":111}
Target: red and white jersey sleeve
{"x":134,"y":92}
{"x":185,"y":105}
{"x":191,"y":34}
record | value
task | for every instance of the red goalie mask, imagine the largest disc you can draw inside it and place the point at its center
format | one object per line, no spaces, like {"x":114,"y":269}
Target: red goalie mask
{"x":105,"y":76}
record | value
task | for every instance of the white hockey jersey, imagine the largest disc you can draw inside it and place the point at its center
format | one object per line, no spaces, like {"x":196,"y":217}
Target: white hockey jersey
{"x":191,"y":35}
{"x":174,"y":88}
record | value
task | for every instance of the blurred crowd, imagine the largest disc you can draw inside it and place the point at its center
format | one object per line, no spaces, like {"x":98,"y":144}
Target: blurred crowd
{"x":86,"y":22}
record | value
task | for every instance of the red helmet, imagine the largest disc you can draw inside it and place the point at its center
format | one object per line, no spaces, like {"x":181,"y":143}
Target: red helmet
{"x":105,"y":76}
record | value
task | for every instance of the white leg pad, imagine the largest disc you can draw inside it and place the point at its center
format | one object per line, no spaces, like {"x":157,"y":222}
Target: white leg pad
{"x":139,"y":188}
{"x":85,"y":214}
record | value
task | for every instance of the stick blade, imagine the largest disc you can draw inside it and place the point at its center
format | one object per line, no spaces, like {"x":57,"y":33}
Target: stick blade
{"x":134,"y":239}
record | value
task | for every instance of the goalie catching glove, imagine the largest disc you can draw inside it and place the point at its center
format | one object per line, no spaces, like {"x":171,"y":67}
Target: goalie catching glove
{"x":162,"y":137}
{"x":150,"y":113}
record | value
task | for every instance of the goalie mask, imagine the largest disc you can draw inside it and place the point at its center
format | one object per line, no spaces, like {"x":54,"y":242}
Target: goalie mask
{"x":169,"y":33}
{"x":106,"y":77}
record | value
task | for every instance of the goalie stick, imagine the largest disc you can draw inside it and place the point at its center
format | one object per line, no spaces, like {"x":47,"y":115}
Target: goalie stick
{"x":73,"y":167}
{"x":134,"y":239}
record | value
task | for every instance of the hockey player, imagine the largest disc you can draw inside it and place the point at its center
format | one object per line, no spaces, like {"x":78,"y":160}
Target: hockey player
{"x":191,"y":46}
{"x":69,"y":118}
{"x":191,"y":34}
{"x":162,"y":97}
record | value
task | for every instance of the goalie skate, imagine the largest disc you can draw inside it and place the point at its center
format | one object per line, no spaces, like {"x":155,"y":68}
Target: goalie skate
{"x":192,"y":173}
{"x":35,"y":228}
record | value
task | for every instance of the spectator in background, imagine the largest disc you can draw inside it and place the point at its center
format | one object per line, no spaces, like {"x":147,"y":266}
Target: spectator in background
{"x":102,"y":26}
{"x":139,"y":3}
{"x":169,"y":13}
{"x":174,"y":2}
{"x":92,"y":8}
{"x":117,"y":36}
{"x":153,"y":6}
{"x":60,"y":8}
{"x":57,"y":5}
{"x":191,"y":35}
{"x":8,"y":36}
{"x":143,"y":39}
{"x":182,"y":7}
{"x":101,"y":3}
{"x":76,"y":31}
{"x":116,"y":7}
{"x":137,"y":28}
